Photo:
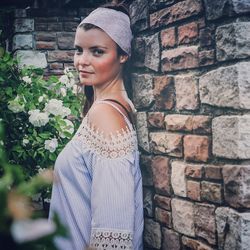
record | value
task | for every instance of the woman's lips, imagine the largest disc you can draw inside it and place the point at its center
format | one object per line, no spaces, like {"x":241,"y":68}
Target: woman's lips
{"x":85,"y":73}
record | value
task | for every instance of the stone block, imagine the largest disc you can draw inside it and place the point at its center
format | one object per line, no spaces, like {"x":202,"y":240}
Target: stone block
{"x":196,"y":148}
{"x":188,"y":123}
{"x":241,"y":6}
{"x":146,"y":170}
{"x":41,"y":45}
{"x":188,"y":33}
{"x":62,"y":55}
{"x":213,"y":172}
{"x":176,"y":12}
{"x":152,"y":53}
{"x":142,"y":90}
{"x":31,"y":58}
{"x":227,"y":86}
{"x":147,"y":202}
{"x":211,"y":192}
{"x":191,"y":244}
{"x":237,"y":185}
{"x":56,"y":66}
{"x":152,"y":234}
{"x":194,"y":171}
{"x":233,"y":229}
{"x":194,"y":190}
{"x":20,"y":13}
{"x":206,"y":36}
{"x":178,"y":178}
{"x":163,"y":92}
{"x":171,"y":240}
{"x":65,"y":40}
{"x":168,"y":38}
{"x":163,"y":216}
{"x":138,"y":10}
{"x":45,"y":36}
{"x":186,"y":92}
{"x":70,"y":26}
{"x":162,"y":201}
{"x":161,"y":175}
{"x":204,"y":221}
{"x":233,"y":41}
{"x":167,"y":143}
{"x":22,"y":41}
{"x":206,"y":57}
{"x":24,"y":25}
{"x":138,"y":51}
{"x":231,"y":136}
{"x":183,"y":216}
{"x":180,"y":58}
{"x":156,"y":120}
{"x":55,"y":26}
{"x":142,"y":131}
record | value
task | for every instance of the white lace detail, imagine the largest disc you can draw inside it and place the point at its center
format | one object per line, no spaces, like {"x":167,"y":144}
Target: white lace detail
{"x":118,"y":144}
{"x":108,"y":239}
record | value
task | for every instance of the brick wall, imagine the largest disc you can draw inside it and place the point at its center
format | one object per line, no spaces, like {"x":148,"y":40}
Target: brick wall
{"x":191,"y":87}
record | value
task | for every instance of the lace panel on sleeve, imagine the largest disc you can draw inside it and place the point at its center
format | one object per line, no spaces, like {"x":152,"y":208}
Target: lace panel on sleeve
{"x":105,"y":239}
{"x":118,"y":144}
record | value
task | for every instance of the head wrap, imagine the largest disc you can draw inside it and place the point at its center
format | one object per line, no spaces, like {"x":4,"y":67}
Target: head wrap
{"x":115,"y":23}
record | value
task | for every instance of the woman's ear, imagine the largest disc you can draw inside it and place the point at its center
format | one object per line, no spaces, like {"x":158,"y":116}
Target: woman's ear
{"x":123,"y":58}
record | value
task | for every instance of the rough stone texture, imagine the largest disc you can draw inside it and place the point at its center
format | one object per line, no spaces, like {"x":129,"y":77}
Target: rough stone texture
{"x":24,"y":25}
{"x":142,"y":90}
{"x":55,"y":26}
{"x":168,"y":37}
{"x":231,"y":136}
{"x":167,"y":143}
{"x":227,"y":86}
{"x":241,"y":6}
{"x":138,"y":51}
{"x":156,"y":120}
{"x":34,"y":58}
{"x":163,"y":216}
{"x":188,"y":33}
{"x":211,"y":192}
{"x":164,"y":92}
{"x":206,"y":36}
{"x":20,"y":13}
{"x":162,"y":201}
{"x":65,"y":40}
{"x":183,"y":216}
{"x":188,"y":123}
{"x":191,"y":244}
{"x":142,"y":130}
{"x":204,"y":221}
{"x":194,"y":190}
{"x":186,"y":88}
{"x":147,"y":202}
{"x":196,"y":148}
{"x":206,"y":57}
{"x":45,"y":36}
{"x":56,"y":66}
{"x":178,"y":178}
{"x":180,"y":58}
{"x":60,"y":55}
{"x":233,"y":229}
{"x":176,"y":12}
{"x":171,"y":240}
{"x":161,"y":175}
{"x":146,"y":170}
{"x":152,"y":54}
{"x":152,"y":234}
{"x":138,"y":14}
{"x":213,"y":172}
{"x":194,"y":171}
{"x":237,"y":185}
{"x":42,"y":45}
{"x":233,"y":41}
{"x":21,"y":41}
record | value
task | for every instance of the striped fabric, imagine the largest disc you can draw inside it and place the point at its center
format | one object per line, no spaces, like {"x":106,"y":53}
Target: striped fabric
{"x":98,"y":190}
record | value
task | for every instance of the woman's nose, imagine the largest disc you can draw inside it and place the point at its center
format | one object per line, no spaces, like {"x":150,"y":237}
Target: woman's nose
{"x":84,"y":58}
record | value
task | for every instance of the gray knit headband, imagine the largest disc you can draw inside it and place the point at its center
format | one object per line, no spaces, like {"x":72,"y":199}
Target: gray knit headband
{"x":115,"y":23}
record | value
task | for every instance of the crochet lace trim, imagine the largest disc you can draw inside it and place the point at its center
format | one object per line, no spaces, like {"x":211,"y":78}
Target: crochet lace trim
{"x":108,"y":239}
{"x":116,"y":145}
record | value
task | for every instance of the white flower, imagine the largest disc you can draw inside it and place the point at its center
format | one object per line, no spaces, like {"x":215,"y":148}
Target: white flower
{"x":51,"y":145}
{"x":64,"y":79}
{"x":15,"y":106}
{"x":40,"y":99}
{"x":25,"y":142}
{"x":29,"y":230}
{"x":69,"y":127}
{"x":71,"y":83}
{"x":27,"y":79}
{"x":66,"y":71}
{"x":37,"y":118}
{"x":56,"y":107}
{"x":63,"y":91}
{"x":1,"y":142}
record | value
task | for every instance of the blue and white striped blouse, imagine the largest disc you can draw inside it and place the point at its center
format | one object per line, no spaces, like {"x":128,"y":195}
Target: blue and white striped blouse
{"x":98,"y":190}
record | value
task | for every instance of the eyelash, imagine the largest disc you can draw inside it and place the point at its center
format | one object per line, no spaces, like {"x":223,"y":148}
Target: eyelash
{"x":95,"y":52}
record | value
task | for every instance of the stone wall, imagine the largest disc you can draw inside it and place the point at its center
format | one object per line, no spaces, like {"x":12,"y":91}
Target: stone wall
{"x":192,"y":90}
{"x":191,"y":87}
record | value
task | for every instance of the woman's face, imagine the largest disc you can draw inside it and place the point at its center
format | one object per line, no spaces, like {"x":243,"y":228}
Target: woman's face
{"x":96,"y":57}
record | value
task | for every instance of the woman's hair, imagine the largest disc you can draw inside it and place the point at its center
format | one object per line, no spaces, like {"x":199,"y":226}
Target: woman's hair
{"x":88,"y":90}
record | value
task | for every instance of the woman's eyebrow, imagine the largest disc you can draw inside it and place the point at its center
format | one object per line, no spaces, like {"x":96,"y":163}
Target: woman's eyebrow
{"x":98,"y":47}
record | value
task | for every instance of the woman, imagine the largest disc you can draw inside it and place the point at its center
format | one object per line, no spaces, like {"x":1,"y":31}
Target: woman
{"x":98,"y":188}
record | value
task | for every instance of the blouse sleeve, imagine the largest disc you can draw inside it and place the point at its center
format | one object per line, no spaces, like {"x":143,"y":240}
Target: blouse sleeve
{"x":112,"y":204}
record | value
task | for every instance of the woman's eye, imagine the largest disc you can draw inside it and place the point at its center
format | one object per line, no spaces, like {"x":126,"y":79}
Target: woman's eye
{"x":78,"y":51}
{"x":98,"y":52}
